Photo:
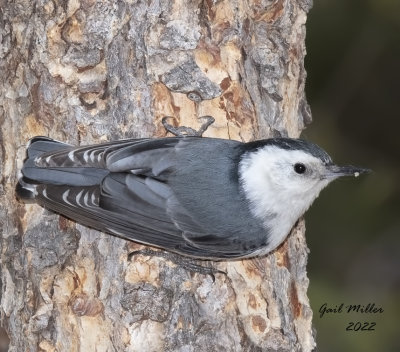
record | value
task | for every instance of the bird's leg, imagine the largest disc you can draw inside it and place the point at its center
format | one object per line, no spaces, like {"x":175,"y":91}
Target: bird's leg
{"x":183,"y":131}
{"x":184,"y":262}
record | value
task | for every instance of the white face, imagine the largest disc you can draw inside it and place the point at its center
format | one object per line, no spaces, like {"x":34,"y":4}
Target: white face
{"x":282,"y":183}
{"x":291,"y":171}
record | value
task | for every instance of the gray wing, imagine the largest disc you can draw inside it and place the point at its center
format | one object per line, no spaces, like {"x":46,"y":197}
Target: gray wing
{"x":123,"y":188}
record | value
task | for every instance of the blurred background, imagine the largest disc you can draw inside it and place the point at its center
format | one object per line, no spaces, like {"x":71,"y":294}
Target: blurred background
{"x":353,"y":229}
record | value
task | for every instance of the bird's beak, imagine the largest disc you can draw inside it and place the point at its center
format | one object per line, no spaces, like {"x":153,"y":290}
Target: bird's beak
{"x":334,"y":171}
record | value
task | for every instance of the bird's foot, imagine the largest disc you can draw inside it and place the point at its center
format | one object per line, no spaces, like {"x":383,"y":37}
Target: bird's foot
{"x":186,"y":263}
{"x":183,"y":131}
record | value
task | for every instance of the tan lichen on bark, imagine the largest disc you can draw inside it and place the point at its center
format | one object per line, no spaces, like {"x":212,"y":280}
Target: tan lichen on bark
{"x":143,"y":270}
{"x":47,"y":346}
{"x":147,"y":335}
{"x":291,"y":85}
{"x":80,"y":312}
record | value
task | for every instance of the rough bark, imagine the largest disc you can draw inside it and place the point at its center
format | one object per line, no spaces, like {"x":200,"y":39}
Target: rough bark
{"x":89,"y":71}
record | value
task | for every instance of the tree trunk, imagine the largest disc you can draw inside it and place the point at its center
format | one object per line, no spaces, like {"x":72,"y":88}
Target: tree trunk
{"x":90,"y":71}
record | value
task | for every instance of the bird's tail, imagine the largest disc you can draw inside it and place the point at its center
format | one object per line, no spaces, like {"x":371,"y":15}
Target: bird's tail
{"x":27,"y":182}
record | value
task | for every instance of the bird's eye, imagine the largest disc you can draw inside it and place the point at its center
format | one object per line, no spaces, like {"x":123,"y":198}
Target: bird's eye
{"x":300,"y":168}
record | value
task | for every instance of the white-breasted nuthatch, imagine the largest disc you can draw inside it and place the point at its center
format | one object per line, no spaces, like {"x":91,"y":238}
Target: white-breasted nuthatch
{"x":201,"y":197}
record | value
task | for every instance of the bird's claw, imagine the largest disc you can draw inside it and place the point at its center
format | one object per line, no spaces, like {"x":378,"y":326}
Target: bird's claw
{"x":186,"y":263}
{"x":184,"y":131}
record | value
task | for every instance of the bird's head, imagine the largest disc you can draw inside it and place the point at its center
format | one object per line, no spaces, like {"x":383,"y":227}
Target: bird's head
{"x":286,"y":175}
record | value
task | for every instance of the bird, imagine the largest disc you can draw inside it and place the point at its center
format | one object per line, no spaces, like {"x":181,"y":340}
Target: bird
{"x":205,"y":198}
